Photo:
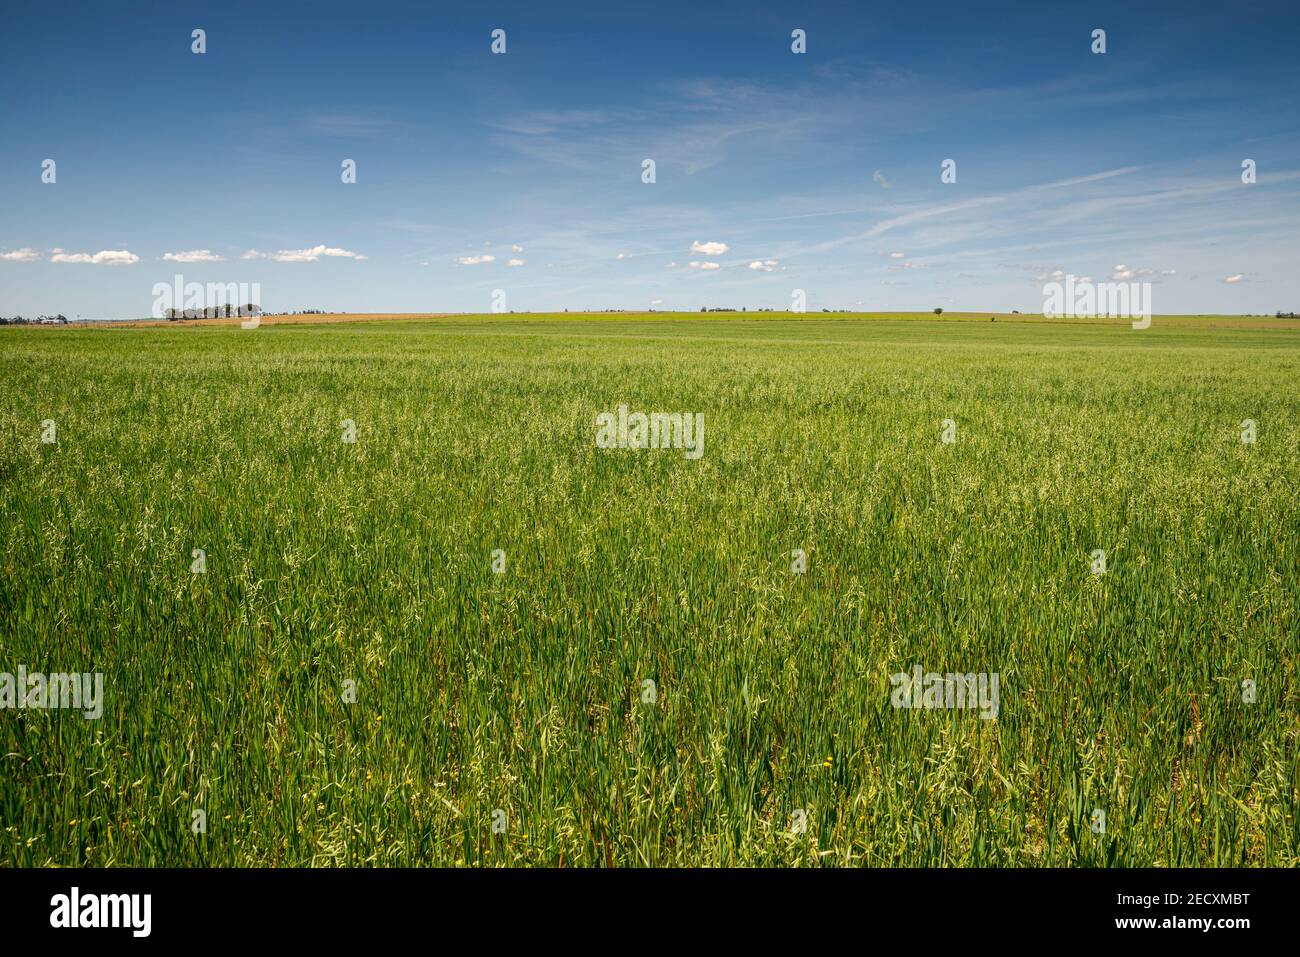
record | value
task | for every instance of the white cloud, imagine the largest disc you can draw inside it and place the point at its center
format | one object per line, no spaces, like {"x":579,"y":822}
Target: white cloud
{"x":303,"y":255}
{"x":763,"y":265}
{"x":656,"y":302}
{"x":1121,"y":273}
{"x":621,"y":256}
{"x":1056,"y":275}
{"x":105,"y":257}
{"x":1234,"y":279}
{"x":24,"y":255}
{"x":516,"y":248}
{"x":475,"y":260}
{"x":700,"y":265}
{"x":709,"y":249}
{"x":515,"y":262}
{"x":195,"y":256}
{"x":897,"y":255}
{"x":879,"y":177}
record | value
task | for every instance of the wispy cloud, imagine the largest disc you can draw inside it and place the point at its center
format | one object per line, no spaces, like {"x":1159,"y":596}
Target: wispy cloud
{"x":349,"y":125}
{"x":303,"y":255}
{"x":193,"y":256}
{"x":947,"y":210}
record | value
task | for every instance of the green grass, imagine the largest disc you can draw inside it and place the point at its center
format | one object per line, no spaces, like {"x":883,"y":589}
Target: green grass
{"x":370,"y":562}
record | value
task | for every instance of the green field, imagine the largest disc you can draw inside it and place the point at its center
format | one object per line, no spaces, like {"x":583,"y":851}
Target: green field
{"x":371,"y":562}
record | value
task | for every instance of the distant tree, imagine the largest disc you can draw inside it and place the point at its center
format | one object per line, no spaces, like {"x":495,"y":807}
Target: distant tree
{"x":939,"y":311}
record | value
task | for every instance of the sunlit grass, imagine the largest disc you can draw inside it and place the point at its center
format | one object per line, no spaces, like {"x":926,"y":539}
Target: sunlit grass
{"x":370,"y":562}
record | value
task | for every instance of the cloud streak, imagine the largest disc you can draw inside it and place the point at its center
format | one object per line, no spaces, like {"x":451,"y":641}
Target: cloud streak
{"x":193,"y":256}
{"x":303,"y":255}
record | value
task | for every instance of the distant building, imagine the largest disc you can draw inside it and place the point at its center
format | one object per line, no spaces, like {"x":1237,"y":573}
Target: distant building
{"x":226,"y":311}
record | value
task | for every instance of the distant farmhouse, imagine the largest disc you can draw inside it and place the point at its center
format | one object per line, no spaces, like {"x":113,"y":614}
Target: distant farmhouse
{"x":59,"y":320}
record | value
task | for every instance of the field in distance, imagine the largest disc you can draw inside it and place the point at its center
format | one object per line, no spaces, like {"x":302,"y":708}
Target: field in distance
{"x":1215,"y":321}
{"x":474,"y":637}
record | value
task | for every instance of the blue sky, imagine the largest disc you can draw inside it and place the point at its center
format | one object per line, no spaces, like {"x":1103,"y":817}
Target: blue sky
{"x":816,"y":171}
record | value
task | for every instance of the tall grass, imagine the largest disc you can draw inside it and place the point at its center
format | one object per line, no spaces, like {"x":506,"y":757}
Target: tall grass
{"x":370,"y":562}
